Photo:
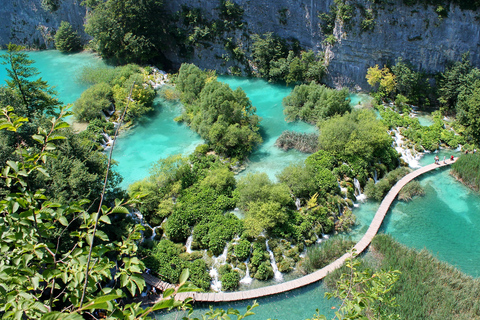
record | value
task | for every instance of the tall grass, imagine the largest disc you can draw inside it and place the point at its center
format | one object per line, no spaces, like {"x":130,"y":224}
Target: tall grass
{"x":303,"y":142}
{"x":467,"y":170}
{"x":427,"y":288}
{"x":319,"y":256}
{"x":410,"y":190}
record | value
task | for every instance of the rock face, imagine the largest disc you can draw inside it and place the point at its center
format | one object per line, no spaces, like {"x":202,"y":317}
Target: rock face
{"x":26,"y":22}
{"x":416,"y":33}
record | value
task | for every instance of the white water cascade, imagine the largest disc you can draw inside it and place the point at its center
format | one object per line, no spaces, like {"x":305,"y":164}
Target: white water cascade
{"x":188,"y":244}
{"x":360,"y":196}
{"x":407,"y":156}
{"x":375,"y":177}
{"x":247,"y":279}
{"x":216,"y":284}
{"x":107,"y":141}
{"x":298,"y":203}
{"x":278,"y":276}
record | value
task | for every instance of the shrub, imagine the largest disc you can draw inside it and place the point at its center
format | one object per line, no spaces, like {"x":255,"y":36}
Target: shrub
{"x":264,"y":271}
{"x":230,"y":280}
{"x":467,"y":170}
{"x":92,"y":101}
{"x":66,"y":39}
{"x":242,"y":250}
{"x":303,"y":142}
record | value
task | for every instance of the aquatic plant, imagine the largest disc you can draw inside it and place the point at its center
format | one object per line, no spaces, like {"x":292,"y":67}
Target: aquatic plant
{"x":467,"y":170}
{"x":319,"y":256}
{"x":303,"y":142}
{"x":411,"y":189}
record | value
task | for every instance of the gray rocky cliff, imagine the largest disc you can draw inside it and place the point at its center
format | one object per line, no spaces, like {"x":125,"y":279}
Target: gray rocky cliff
{"x":415,"y":33}
{"x":26,"y":22}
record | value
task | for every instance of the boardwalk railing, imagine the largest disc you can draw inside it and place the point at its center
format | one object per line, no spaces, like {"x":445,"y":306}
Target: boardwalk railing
{"x":317,"y":275}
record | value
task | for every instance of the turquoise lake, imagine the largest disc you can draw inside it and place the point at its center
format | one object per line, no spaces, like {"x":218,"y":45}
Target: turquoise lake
{"x":446,"y":221}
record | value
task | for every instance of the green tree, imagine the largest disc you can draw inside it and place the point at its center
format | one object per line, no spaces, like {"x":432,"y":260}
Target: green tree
{"x":267,"y":48}
{"x":93,"y":101}
{"x":313,"y":102}
{"x":37,"y":96}
{"x":66,"y":39}
{"x":128,"y":31}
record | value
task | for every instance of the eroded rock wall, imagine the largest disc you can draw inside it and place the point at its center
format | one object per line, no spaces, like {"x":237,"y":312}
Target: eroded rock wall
{"x":26,"y":22}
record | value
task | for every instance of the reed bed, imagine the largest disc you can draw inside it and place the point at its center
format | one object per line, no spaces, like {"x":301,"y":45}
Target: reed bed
{"x":427,"y":288}
{"x":303,"y":142}
{"x":467,"y":170}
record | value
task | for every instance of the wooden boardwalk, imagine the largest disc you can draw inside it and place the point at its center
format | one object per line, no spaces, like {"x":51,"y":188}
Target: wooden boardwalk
{"x":319,"y":274}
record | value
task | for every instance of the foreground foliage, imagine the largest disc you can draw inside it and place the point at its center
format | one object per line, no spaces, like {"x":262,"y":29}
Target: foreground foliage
{"x":445,"y":292}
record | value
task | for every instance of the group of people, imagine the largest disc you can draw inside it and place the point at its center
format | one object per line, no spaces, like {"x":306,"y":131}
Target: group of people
{"x":437,"y":160}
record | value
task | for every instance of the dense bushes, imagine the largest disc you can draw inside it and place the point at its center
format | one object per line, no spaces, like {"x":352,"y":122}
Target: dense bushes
{"x":378,"y":190}
{"x":111,"y":87}
{"x":467,"y":170}
{"x":277,"y":60}
{"x":224,"y":118}
{"x":359,"y":139}
{"x":313,"y":102}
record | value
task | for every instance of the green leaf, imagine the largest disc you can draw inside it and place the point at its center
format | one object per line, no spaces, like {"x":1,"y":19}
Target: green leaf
{"x":120,"y":209}
{"x":43,"y":171}
{"x":60,"y":125}
{"x":164,"y":304}
{"x":63,"y":221}
{"x":100,"y":301}
{"x":168,"y":292}
{"x":184,"y":276}
{"x":40,"y":139}
{"x":105,"y":219}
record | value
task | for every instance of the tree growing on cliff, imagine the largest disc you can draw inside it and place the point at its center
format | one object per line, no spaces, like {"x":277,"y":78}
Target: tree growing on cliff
{"x":127,"y":30}
{"x":66,"y":39}
{"x":381,"y":80}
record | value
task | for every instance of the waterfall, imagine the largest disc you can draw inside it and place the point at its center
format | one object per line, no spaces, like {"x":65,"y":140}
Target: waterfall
{"x":360,"y":197}
{"x":216,"y":284}
{"x":247,"y":279}
{"x":407,"y":155}
{"x":375,"y":178}
{"x":107,"y":141}
{"x":298,"y":203}
{"x":188,"y":244}
{"x":277,"y":274}
{"x":154,"y":233}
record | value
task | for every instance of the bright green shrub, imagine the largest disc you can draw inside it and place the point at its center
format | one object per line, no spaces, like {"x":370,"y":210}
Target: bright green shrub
{"x":66,"y":39}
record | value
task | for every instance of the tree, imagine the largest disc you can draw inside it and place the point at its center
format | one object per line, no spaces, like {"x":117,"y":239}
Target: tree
{"x":66,"y":39}
{"x":128,"y":30}
{"x":468,"y":110}
{"x":93,"y":101}
{"x":313,"y":102}
{"x":384,"y":78}
{"x":37,"y":96}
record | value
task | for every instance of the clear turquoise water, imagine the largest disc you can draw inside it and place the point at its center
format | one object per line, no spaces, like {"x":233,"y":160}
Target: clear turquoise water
{"x":61,"y":70}
{"x":154,"y":139}
{"x":267,"y":98}
{"x":446,"y":221}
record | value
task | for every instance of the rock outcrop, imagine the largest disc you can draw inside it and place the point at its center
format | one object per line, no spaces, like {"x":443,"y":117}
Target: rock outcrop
{"x":26,"y":22}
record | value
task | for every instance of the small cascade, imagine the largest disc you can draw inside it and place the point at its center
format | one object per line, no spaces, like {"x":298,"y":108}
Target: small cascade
{"x":360,"y":196}
{"x":375,"y":178}
{"x":247,"y":279}
{"x":277,"y":274}
{"x":188,"y":244}
{"x":216,"y":284}
{"x":407,"y":155}
{"x":298,"y":203}
{"x":107,"y":141}
{"x":154,"y":233}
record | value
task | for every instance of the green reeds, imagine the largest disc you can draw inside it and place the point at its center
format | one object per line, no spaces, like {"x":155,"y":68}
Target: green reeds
{"x":427,"y":288}
{"x":303,"y":142}
{"x":319,"y":256}
{"x":467,"y":170}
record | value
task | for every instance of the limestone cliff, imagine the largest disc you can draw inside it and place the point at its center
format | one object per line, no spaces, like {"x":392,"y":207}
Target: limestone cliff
{"x":418,"y":34}
{"x":26,"y":22}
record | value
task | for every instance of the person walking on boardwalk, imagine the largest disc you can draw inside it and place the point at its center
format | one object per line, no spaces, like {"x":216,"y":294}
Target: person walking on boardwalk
{"x":452,"y":157}
{"x":436,"y":160}
{"x":444,"y":160}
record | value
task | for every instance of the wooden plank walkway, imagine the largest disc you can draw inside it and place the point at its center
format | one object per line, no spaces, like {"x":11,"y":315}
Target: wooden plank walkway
{"x":319,"y":274}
